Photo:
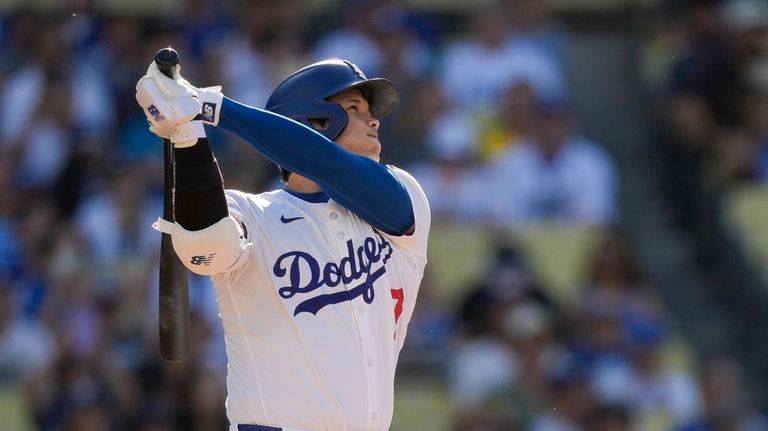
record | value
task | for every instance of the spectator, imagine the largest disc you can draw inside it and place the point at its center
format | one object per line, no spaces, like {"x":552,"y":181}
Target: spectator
{"x":238,"y":57}
{"x":757,"y":127}
{"x":660,"y":393}
{"x":478,"y":68}
{"x":116,"y":221}
{"x":355,"y":38}
{"x":10,"y":243}
{"x":531,"y":330}
{"x":44,"y":146}
{"x":26,"y":346}
{"x":532,"y":22}
{"x":569,"y":397}
{"x":614,"y":280}
{"x":610,"y":417}
{"x":485,"y":364}
{"x":203,"y":409}
{"x":451,"y":179}
{"x":726,"y":403}
{"x":554,"y":175}
{"x":511,"y":122}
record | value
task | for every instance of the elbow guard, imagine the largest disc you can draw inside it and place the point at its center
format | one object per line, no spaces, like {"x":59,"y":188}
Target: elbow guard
{"x":216,"y":249}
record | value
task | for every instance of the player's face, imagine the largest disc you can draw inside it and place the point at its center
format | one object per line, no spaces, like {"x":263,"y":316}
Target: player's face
{"x":361,"y":136}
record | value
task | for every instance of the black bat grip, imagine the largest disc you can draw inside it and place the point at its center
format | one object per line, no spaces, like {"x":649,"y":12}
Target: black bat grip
{"x":166,"y":59}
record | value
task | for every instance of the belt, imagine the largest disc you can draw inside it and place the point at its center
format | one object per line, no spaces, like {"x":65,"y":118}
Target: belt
{"x":242,"y":427}
{"x":250,"y":427}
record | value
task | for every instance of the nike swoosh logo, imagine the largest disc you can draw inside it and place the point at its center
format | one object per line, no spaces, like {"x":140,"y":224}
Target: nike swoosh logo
{"x":288,"y":220}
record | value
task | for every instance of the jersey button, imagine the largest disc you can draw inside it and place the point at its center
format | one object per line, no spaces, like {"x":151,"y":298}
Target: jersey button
{"x":360,"y":310}
{"x":374,"y":416}
{"x":334,"y":216}
{"x":370,"y":362}
{"x":340,"y":234}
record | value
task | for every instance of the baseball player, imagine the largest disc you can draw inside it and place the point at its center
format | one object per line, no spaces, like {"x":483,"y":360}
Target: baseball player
{"x":315,"y":282}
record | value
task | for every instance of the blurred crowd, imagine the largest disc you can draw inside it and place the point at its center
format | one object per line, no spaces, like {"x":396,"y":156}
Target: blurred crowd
{"x":713,"y":102}
{"x":486,"y":124}
{"x":709,"y":86}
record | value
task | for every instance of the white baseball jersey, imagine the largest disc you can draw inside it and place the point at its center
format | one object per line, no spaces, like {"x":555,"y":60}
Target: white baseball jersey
{"x":315,"y":312}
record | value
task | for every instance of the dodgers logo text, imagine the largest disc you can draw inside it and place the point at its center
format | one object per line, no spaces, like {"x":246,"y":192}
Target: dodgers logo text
{"x":364,"y":264}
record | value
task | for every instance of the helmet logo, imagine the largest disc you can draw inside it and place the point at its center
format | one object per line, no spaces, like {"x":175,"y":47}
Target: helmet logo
{"x":356,"y":70}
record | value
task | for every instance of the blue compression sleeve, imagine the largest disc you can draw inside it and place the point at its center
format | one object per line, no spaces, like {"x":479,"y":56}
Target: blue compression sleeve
{"x":363,"y":186}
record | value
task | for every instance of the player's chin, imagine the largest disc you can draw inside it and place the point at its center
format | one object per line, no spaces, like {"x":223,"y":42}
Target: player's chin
{"x":374,"y":156}
{"x":374,"y":151}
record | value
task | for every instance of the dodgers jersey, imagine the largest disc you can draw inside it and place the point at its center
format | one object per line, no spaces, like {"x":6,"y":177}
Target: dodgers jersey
{"x":315,"y":312}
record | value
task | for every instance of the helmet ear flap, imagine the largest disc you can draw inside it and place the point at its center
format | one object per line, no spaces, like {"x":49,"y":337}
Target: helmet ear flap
{"x":320,"y":124}
{"x":330,"y":114}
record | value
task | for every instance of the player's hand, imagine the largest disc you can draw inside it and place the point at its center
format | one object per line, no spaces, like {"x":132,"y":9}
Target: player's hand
{"x":164,"y":110}
{"x":209,"y":97}
{"x":182,"y":136}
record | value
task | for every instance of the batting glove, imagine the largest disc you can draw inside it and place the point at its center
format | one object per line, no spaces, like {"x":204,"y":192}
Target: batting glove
{"x":209,"y":97}
{"x":182,"y":136}
{"x":164,"y":111}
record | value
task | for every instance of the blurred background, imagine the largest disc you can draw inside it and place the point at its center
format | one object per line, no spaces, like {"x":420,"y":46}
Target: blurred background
{"x":597,"y":172}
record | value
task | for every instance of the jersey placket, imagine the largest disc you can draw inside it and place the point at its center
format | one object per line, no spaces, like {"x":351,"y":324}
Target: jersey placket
{"x":362,"y":314}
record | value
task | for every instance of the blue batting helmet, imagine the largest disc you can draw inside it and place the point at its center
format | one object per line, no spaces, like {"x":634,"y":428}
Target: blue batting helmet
{"x":303,"y":96}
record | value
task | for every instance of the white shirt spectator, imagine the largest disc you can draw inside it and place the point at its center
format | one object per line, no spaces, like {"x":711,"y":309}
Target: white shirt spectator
{"x":90,"y":100}
{"x":577,"y":186}
{"x":100,"y":221}
{"x":475,"y":75}
{"x":26,"y":347}
{"x":670,"y":392}
{"x":20,"y":95}
{"x":479,"y":368}
{"x":451,"y":181}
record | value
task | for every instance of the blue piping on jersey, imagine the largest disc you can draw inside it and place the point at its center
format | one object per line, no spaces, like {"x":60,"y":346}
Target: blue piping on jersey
{"x":315,"y":198}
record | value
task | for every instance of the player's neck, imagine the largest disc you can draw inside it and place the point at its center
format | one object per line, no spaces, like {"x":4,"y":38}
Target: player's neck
{"x":300,"y":184}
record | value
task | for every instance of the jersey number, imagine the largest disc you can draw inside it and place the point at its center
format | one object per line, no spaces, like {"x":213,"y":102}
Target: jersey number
{"x":398,"y":296}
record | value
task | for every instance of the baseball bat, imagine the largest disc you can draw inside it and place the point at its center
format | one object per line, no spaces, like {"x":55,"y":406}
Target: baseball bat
{"x":174,"y":320}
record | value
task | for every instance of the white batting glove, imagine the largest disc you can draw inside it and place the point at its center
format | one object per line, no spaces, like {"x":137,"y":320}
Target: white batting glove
{"x":182,"y":136}
{"x":209,"y":97}
{"x":164,"y":111}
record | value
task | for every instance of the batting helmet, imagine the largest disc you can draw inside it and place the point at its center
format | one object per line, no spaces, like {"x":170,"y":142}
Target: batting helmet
{"x":303,"y":96}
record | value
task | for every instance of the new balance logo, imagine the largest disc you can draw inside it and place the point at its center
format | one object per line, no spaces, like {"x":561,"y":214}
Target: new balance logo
{"x":155,"y":113}
{"x":202,"y":260}
{"x":288,"y":220}
{"x":208,"y":110}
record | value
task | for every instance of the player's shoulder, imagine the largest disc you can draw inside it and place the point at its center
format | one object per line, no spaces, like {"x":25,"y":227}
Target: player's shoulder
{"x":403,"y":175}
{"x":411,"y":184}
{"x":257,"y":202}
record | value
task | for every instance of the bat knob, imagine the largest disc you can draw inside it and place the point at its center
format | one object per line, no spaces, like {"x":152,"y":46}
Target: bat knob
{"x":166,"y":59}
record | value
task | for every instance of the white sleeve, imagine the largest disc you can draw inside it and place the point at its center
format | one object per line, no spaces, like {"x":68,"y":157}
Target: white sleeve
{"x":414,"y":244}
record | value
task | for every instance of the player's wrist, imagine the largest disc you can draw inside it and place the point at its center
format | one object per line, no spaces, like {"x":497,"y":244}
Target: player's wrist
{"x":187,"y":135}
{"x":210,"y":98}
{"x":197,"y":155}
